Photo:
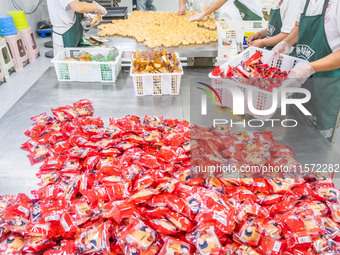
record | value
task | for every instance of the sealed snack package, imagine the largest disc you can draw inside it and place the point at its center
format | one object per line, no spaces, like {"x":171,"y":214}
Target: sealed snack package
{"x":138,"y":234}
{"x":84,"y":107}
{"x":174,"y":246}
{"x":37,"y":244}
{"x":12,"y":244}
{"x":250,"y":232}
{"x":94,"y":238}
{"x":205,"y":241}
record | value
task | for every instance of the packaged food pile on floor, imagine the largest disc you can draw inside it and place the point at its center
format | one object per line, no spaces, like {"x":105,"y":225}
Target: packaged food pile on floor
{"x":128,"y":189}
{"x":253,"y":72}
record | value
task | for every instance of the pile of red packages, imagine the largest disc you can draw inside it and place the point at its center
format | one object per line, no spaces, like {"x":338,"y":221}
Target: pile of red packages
{"x":128,"y":189}
{"x":254,"y":72}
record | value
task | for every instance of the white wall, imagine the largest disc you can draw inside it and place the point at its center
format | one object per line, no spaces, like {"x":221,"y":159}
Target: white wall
{"x":42,"y":13}
{"x":27,"y":6}
{"x":161,"y":5}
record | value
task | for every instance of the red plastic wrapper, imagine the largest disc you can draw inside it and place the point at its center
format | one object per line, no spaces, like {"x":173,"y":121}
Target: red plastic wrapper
{"x":205,"y":240}
{"x":84,"y":107}
{"x":12,"y":244}
{"x":36,"y":131}
{"x":282,"y":151}
{"x":173,"y":246}
{"x":94,"y":239}
{"x":254,"y":72}
{"x":42,"y":119}
{"x":65,"y":113}
{"x":38,"y":153}
{"x":138,"y":234}
{"x":37,"y":244}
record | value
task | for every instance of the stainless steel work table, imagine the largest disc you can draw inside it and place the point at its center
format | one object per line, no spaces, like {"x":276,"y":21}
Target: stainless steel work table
{"x":118,"y":100}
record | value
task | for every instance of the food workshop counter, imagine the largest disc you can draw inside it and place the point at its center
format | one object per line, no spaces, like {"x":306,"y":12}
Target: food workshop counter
{"x":130,"y":45}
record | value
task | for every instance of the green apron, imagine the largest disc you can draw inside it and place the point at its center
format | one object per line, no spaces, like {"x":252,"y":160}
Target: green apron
{"x":245,"y":12}
{"x":313,"y":45}
{"x":74,"y":36}
{"x":274,"y":24}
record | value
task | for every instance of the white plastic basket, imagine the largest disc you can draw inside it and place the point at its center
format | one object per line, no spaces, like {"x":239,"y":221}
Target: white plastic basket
{"x":262,"y":99}
{"x":224,"y":54}
{"x":157,"y":83}
{"x":86,"y":71}
{"x":231,"y":33}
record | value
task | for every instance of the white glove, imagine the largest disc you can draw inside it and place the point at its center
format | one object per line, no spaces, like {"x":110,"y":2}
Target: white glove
{"x":100,"y":11}
{"x":89,"y":16}
{"x":198,"y":16}
{"x":300,"y":73}
{"x":283,"y":48}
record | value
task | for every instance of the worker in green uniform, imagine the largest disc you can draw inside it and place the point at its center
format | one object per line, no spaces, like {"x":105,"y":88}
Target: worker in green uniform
{"x":317,"y":39}
{"x":281,"y":22}
{"x":225,"y":9}
{"x":66,"y":18}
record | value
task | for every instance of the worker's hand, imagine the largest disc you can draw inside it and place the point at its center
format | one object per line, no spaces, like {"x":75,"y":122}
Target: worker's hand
{"x":198,"y":16}
{"x":257,"y":43}
{"x":283,"y":48}
{"x":101,"y":11}
{"x":181,"y":11}
{"x":300,"y":73}
{"x":89,"y":16}
{"x":254,"y":37}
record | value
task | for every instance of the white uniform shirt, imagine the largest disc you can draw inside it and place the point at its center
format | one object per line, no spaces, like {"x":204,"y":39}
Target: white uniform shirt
{"x":228,"y":11}
{"x":62,"y":17}
{"x":289,"y":13}
{"x":332,"y":19}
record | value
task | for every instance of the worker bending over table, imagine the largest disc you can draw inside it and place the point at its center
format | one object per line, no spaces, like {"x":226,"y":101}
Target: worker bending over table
{"x":225,"y":9}
{"x":282,"y":20}
{"x":66,"y":18}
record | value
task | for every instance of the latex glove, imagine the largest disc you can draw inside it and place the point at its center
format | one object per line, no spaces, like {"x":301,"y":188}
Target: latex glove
{"x":101,"y":11}
{"x":300,"y":73}
{"x":89,"y":16}
{"x":254,"y":37}
{"x":96,"y":20}
{"x":283,"y":48}
{"x":198,"y":16}
{"x":181,"y":11}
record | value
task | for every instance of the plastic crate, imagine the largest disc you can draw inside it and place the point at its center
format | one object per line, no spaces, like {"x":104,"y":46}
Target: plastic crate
{"x":231,"y":33}
{"x":225,"y":54}
{"x":262,"y":99}
{"x":157,"y":83}
{"x":86,"y":71}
